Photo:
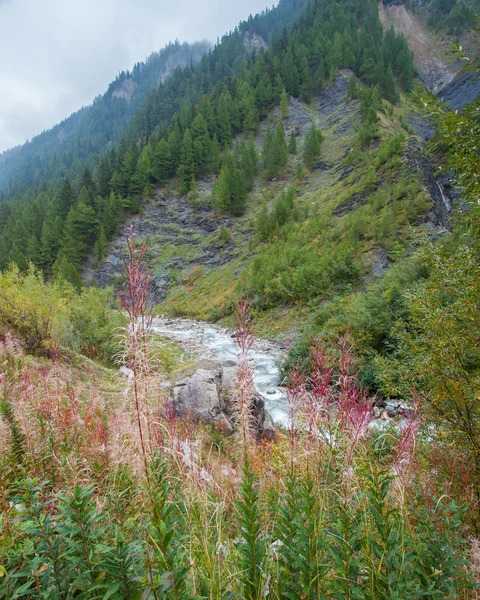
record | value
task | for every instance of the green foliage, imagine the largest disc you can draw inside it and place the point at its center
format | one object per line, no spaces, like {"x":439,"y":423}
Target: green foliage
{"x":284,"y":110}
{"x":45,"y":316}
{"x":183,"y":124}
{"x":274,"y":152}
{"x":292,"y":144}
{"x":451,"y":15}
{"x":369,"y":101}
{"x":313,"y":142}
{"x":438,"y":352}
{"x":230,"y":192}
{"x":252,"y":549}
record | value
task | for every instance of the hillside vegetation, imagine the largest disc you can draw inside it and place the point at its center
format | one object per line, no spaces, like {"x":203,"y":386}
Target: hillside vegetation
{"x":278,"y":187}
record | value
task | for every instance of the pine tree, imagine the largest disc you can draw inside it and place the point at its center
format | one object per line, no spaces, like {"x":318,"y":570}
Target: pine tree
{"x":100,"y":248}
{"x":284,"y":110}
{"x":248,"y":162}
{"x":313,"y":144}
{"x":224,"y":125}
{"x":79,"y":233}
{"x":162,"y":162}
{"x":85,"y":197}
{"x":292,"y":144}
{"x":225,"y":183}
{"x":201,"y":143}
{"x":66,"y":198}
{"x":142,"y":179}
{"x":186,"y":170}
{"x":388,"y":88}
{"x":275,"y":152}
{"x":64,"y":270}
{"x":88,"y":182}
{"x":280,"y":145}
{"x":352,"y":88}
{"x":213,"y":164}
{"x":175,"y":144}
{"x":238,"y":193}
{"x":103,"y":175}
{"x":50,"y":241}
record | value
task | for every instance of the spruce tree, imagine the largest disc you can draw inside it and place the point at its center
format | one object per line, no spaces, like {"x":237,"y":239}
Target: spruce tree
{"x":284,"y":110}
{"x":162,"y":162}
{"x":238,"y":193}
{"x":186,"y":170}
{"x":292,"y":144}
{"x":201,"y":143}
{"x":313,"y":144}
{"x":88,"y":182}
{"x":100,"y":248}
{"x":175,"y":141}
{"x":280,"y":146}
{"x":64,"y":270}
{"x":79,"y":233}
{"x":249,"y":162}
{"x":103,"y":175}
{"x":66,"y":198}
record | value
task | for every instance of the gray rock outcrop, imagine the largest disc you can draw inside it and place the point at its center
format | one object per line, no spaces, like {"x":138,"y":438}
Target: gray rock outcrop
{"x":208,"y":397}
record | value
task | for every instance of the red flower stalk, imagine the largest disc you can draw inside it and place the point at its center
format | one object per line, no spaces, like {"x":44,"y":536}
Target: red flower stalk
{"x":244,"y":393}
{"x":135,"y":301}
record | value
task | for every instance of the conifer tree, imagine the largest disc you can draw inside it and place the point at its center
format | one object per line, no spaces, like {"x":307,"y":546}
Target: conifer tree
{"x":213,"y":163}
{"x":162,"y":161}
{"x":275,"y":152}
{"x":79,"y":233}
{"x":50,"y":241}
{"x":103,"y":176}
{"x":284,"y":110}
{"x":64,"y":270}
{"x":292,"y":144}
{"x":224,"y":125}
{"x":280,"y":144}
{"x":142,"y":179}
{"x":313,"y":144}
{"x":352,"y":88}
{"x":201,"y":143}
{"x":238,"y":193}
{"x":66,"y":198}
{"x":85,"y":197}
{"x":100,"y":248}
{"x":186,"y":170}
{"x":175,"y":141}
{"x":88,"y":182}
{"x":249,"y":162}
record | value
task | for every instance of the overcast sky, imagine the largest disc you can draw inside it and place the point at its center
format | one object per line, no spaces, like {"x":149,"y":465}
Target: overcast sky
{"x":57,"y":55}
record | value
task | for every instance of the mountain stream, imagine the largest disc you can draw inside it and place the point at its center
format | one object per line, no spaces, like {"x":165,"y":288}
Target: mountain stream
{"x":211,"y":342}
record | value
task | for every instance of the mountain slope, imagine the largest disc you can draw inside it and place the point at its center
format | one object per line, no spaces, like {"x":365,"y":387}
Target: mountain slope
{"x":81,"y":138}
{"x":431,"y":34}
{"x":88,"y":131}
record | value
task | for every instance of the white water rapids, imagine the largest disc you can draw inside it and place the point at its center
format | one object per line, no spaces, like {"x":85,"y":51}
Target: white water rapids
{"x":210,"y":342}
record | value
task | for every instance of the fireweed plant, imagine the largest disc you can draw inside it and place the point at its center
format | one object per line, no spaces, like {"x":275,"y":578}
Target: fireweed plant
{"x":106,"y":494}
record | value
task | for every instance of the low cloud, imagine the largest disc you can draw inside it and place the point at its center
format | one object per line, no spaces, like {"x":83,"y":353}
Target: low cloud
{"x":63,"y":54}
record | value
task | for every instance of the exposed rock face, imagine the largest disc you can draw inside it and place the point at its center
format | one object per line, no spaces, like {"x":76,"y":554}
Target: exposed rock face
{"x":167,"y":222}
{"x":433,"y":70}
{"x":418,"y":162}
{"x":252,"y":41}
{"x":208,"y":395}
{"x":126,"y":90}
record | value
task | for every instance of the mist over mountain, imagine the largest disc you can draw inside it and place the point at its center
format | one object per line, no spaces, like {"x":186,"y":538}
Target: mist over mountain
{"x":239,"y":333}
{"x":90,"y":129}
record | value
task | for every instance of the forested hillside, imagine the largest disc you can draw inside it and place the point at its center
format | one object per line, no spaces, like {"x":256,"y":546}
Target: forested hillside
{"x":49,"y":156}
{"x":227,"y":94}
{"x":295,"y":194}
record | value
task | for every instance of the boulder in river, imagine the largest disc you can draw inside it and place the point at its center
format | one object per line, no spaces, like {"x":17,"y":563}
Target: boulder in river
{"x":207,"y":397}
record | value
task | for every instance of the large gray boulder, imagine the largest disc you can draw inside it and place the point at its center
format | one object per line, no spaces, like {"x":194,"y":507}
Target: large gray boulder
{"x":208,"y":397}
